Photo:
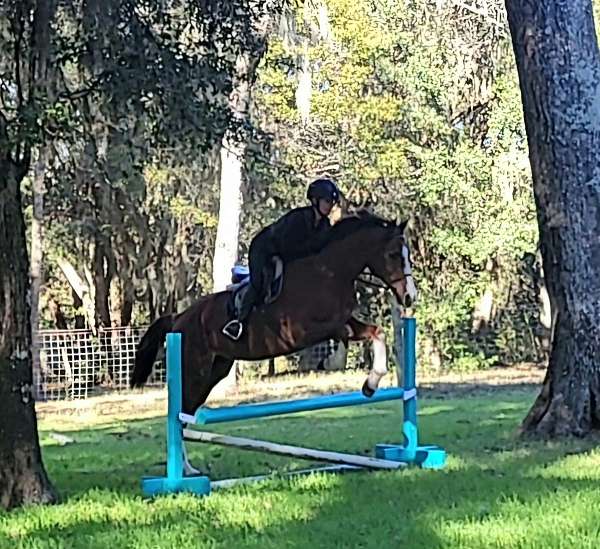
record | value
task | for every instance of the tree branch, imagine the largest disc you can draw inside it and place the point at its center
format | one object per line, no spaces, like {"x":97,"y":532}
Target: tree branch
{"x":481,"y":13}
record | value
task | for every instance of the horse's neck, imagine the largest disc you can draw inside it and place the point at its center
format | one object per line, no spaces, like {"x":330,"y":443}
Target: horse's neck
{"x":349,"y":256}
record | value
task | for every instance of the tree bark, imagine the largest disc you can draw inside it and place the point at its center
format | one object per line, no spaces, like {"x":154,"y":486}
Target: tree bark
{"x":230,"y":209}
{"x":82,"y":296}
{"x":559,"y":70}
{"x":101,"y":286}
{"x":37,"y":257}
{"x":23,"y":479}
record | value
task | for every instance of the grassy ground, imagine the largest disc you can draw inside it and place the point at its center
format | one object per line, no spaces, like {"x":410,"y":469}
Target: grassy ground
{"x":496,"y":491}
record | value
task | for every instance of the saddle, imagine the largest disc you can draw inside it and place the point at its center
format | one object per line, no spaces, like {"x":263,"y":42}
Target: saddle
{"x":240,"y":278}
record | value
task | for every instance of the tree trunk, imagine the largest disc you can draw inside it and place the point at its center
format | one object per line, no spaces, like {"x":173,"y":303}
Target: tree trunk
{"x":78,"y":306}
{"x":230,"y":201}
{"x":37,"y":247}
{"x":23,"y":479}
{"x":101,"y":286}
{"x":82,"y":296}
{"x":127,"y":301}
{"x":228,"y":229}
{"x":559,"y":71}
{"x":230,"y":209}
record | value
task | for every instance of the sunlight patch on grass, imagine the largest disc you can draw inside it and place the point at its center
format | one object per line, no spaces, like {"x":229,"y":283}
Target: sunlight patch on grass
{"x":435,"y":409}
{"x":552,"y":519}
{"x":496,"y":491}
{"x":582,"y":466}
{"x":95,"y":506}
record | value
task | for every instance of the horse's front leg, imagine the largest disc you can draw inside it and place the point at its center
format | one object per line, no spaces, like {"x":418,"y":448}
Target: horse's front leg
{"x":188,"y":469}
{"x":359,"y":331}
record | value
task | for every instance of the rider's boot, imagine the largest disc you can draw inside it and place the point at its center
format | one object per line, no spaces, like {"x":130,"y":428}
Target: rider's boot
{"x":234,"y":329}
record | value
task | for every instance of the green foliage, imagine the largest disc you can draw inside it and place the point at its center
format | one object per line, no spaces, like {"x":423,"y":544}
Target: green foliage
{"x":415,"y":110}
{"x":114,"y":88}
{"x":409,"y":123}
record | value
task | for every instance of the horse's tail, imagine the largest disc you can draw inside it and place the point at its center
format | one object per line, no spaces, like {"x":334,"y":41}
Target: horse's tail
{"x":148,"y":347}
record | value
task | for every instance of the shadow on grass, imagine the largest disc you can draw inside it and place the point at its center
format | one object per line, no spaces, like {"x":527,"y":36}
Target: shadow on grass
{"x":118,"y":455}
{"x":488,"y":469}
{"x":359,"y":510}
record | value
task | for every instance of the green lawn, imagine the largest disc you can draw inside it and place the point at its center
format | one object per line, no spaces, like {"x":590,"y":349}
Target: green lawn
{"x":495,"y":491}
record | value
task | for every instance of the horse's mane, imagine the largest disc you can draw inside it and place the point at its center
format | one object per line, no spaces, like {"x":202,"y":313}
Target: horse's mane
{"x":361,"y":219}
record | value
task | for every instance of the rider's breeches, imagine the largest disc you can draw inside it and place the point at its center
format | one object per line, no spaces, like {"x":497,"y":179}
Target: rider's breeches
{"x":259,"y":257}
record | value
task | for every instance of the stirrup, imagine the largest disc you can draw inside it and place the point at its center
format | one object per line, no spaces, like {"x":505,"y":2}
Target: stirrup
{"x":233,"y":329}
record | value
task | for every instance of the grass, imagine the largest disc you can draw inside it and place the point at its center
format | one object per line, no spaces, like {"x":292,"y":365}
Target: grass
{"x":495,"y":492}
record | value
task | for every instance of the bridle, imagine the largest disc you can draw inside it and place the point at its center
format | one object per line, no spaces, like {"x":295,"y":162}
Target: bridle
{"x":377,"y":282}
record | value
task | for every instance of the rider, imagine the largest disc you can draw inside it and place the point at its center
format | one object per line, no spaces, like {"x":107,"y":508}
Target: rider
{"x":301,"y":232}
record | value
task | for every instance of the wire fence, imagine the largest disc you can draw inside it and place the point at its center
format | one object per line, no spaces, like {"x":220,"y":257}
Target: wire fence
{"x":76,"y":364}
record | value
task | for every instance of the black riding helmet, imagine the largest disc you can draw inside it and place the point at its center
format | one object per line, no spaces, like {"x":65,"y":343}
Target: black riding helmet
{"x":323,"y":188}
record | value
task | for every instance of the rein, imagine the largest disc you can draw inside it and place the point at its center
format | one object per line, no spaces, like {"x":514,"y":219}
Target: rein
{"x":374,"y":281}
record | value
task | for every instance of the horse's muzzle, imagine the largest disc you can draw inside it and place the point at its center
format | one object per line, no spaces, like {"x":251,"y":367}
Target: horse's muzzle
{"x":406,"y":292}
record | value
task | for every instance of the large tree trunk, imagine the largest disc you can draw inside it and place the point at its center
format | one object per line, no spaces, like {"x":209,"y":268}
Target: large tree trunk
{"x":559,"y":69}
{"x":226,"y":244}
{"x":23,"y":479}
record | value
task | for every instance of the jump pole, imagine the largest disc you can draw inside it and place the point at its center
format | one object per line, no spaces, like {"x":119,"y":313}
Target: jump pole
{"x":292,"y":451}
{"x":428,"y":456}
{"x":410,"y":452}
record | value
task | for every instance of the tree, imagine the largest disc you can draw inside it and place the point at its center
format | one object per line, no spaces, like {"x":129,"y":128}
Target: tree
{"x":160,"y":67}
{"x":559,"y":71}
{"x":232,"y":153}
{"x":23,"y":479}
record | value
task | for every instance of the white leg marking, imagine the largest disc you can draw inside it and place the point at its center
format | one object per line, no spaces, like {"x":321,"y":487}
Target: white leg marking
{"x":411,"y":288}
{"x":188,"y":469}
{"x":379,"y":362}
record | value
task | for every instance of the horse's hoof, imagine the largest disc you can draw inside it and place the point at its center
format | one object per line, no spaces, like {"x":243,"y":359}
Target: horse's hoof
{"x":366,"y":390}
{"x":190,"y":471}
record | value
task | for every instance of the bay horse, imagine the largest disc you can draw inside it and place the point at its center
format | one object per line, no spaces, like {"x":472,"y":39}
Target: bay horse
{"x":315,"y":304}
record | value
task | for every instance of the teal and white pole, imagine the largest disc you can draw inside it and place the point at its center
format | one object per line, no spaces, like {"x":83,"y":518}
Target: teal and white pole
{"x":430,"y":457}
{"x":175,"y":481}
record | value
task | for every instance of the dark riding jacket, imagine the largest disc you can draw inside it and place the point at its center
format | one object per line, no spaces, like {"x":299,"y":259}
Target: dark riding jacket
{"x":294,"y":235}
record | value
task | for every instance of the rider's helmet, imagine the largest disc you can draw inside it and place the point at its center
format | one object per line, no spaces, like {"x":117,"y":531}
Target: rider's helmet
{"x":323,"y":188}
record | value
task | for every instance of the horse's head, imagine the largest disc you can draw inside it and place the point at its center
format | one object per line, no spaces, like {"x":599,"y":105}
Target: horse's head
{"x":393,"y":265}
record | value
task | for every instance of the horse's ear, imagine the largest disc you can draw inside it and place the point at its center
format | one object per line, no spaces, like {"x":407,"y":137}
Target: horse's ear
{"x":401,"y":226}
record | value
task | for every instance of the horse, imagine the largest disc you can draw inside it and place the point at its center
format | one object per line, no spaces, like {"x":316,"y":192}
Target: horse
{"x":316,"y":303}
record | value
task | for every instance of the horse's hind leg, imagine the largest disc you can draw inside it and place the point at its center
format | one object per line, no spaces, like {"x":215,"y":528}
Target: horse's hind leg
{"x":359,"y":331}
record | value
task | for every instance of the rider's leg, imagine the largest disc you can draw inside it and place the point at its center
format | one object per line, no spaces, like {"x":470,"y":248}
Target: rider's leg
{"x":258,"y":256}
